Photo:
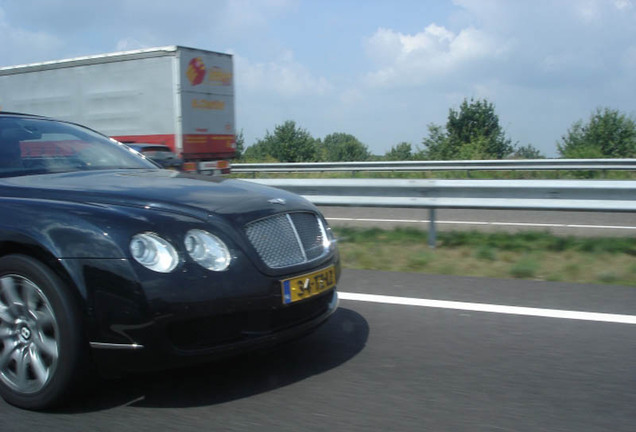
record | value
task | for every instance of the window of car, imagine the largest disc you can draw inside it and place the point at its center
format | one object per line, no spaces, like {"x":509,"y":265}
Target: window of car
{"x":159,"y":153}
{"x":40,"y":146}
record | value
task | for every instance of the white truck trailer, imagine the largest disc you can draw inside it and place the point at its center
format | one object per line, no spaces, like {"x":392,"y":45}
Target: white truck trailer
{"x":177,"y":96}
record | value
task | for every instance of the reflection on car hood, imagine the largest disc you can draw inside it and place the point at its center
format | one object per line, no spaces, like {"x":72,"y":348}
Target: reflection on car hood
{"x":195,"y":195}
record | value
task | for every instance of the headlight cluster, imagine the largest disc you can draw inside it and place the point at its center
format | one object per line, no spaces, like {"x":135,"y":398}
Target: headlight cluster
{"x":207,"y":250}
{"x":157,"y":254}
{"x":153,"y":252}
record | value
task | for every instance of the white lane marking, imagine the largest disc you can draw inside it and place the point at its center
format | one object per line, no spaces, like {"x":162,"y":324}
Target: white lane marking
{"x":483,"y":307}
{"x":517,"y":224}
{"x":602,"y":226}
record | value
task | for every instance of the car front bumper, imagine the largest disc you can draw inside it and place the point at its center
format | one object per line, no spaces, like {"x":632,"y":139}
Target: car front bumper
{"x":185,"y":318}
{"x":161,"y":354}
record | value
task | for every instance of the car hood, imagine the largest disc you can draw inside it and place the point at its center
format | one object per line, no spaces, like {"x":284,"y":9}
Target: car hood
{"x":198,"y":196}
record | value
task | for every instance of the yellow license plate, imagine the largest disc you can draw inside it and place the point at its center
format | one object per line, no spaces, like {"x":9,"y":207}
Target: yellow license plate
{"x":308,"y":285}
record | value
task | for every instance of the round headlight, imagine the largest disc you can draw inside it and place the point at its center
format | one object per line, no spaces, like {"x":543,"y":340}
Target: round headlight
{"x":207,"y":250}
{"x":153,"y":252}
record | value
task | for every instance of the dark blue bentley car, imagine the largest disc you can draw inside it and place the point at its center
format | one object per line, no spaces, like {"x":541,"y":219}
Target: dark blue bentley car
{"x":107,"y":260}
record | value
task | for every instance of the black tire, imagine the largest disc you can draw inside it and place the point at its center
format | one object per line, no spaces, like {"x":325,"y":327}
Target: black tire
{"x":42,"y":351}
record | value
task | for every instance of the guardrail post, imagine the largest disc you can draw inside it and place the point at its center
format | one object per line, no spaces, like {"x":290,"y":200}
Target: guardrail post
{"x":432,"y":234}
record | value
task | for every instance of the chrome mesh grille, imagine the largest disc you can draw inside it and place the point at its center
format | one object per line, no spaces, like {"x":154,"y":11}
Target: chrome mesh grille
{"x":288,"y":239}
{"x":310,"y":234}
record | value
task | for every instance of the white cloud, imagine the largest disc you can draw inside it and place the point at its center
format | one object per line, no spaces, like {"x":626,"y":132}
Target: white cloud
{"x":588,"y":11}
{"x":623,"y":4}
{"x":406,"y":60}
{"x":351,"y":96}
{"x":283,"y":77}
{"x":597,"y":11}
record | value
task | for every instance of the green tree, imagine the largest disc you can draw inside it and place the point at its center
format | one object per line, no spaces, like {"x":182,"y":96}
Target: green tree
{"x":472,"y":132}
{"x":342,"y":147}
{"x":436,"y":146}
{"x":288,"y":143}
{"x":240,"y":145}
{"x":400,"y":152}
{"x":258,"y":152}
{"x":607,"y":134}
{"x":528,"y":152}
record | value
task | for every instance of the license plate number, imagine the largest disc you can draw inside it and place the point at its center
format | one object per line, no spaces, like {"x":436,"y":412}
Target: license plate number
{"x":308,"y":285}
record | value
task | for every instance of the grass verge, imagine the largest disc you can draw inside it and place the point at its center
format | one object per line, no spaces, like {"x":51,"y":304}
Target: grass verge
{"x":529,"y":255}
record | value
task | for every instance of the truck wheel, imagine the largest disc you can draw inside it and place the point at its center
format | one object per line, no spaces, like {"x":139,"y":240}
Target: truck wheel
{"x":41,"y":347}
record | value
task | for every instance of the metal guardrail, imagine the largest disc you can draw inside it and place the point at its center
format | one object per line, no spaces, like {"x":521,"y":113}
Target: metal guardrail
{"x":467,"y":165}
{"x":574,"y":195}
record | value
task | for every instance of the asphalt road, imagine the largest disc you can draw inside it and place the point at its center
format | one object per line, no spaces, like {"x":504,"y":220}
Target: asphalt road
{"x":375,"y":366}
{"x":562,"y":223}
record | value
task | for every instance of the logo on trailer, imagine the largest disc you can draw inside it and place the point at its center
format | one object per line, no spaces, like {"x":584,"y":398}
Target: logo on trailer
{"x":219,"y":77}
{"x":196,"y":71}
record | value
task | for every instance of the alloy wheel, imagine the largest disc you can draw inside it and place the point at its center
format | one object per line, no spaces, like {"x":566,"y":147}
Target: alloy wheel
{"x":29,"y":335}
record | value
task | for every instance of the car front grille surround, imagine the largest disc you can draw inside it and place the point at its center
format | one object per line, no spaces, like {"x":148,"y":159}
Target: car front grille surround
{"x":288,"y":239}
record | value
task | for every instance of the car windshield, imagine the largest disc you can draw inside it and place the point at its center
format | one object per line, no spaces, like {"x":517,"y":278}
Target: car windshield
{"x":40,"y":146}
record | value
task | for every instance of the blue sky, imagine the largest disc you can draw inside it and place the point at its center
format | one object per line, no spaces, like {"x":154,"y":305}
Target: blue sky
{"x":380,"y":70}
